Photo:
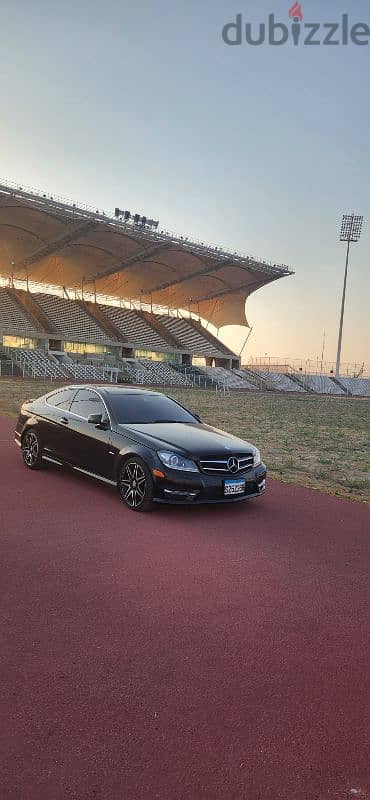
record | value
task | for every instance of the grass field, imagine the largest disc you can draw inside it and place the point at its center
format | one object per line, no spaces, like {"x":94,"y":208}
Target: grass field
{"x":306,"y":440}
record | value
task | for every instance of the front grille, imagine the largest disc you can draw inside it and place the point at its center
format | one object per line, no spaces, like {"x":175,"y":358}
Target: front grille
{"x":220,"y":466}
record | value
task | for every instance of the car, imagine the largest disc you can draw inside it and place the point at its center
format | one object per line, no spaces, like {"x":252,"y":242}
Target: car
{"x":146,"y":444}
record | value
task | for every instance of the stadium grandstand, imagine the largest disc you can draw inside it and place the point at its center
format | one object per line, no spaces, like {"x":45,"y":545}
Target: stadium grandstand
{"x":95,"y":297}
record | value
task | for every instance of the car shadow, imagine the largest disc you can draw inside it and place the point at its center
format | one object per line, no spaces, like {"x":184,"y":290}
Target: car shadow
{"x":161,"y":510}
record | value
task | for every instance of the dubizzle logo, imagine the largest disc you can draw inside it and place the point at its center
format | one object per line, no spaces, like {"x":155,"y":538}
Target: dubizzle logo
{"x":277,"y":33}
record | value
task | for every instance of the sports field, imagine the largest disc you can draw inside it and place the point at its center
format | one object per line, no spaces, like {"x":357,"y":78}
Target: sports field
{"x":311,"y":441}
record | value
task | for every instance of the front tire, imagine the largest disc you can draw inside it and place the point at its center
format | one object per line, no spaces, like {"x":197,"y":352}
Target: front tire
{"x":135,"y":485}
{"x":32,"y":449}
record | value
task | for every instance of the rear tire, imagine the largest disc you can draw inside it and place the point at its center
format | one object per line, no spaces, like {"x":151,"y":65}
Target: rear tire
{"x":135,"y":485}
{"x":32,"y":449}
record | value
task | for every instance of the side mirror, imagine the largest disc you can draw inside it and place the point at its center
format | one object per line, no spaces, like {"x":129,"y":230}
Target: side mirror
{"x":98,"y":421}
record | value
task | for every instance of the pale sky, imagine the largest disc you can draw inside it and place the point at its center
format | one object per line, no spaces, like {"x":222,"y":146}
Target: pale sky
{"x":260,"y":149}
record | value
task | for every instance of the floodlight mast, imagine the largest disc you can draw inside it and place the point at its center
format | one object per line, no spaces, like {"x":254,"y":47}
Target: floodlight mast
{"x":350,"y":233}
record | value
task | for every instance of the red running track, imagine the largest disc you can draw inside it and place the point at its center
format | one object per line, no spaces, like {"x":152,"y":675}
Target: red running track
{"x":217,"y":653}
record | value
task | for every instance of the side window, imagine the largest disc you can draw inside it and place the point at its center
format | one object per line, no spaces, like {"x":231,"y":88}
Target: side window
{"x":61,"y":399}
{"x":87,"y":402}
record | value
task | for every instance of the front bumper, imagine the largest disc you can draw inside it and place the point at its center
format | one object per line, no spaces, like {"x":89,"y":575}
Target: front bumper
{"x":182,"y":488}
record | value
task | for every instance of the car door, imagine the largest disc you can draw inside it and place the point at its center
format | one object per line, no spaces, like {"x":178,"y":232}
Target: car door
{"x":89,"y":444}
{"x":54,"y":431}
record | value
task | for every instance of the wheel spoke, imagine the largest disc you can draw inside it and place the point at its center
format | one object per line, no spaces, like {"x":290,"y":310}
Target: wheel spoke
{"x":128,"y":493}
{"x":30,"y":449}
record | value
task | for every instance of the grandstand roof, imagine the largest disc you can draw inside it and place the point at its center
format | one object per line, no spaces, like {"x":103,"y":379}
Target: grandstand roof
{"x":51,"y":241}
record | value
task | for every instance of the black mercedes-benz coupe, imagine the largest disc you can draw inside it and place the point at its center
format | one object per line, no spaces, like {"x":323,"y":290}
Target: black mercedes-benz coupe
{"x":149,"y":446}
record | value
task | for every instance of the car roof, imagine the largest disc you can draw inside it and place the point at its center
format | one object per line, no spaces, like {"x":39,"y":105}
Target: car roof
{"x":106,"y":389}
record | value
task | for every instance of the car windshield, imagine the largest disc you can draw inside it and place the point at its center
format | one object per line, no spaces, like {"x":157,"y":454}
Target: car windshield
{"x":147,"y":408}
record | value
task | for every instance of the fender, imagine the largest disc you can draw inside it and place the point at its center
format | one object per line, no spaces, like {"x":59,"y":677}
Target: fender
{"x":127,"y":452}
{"x":26,"y":421}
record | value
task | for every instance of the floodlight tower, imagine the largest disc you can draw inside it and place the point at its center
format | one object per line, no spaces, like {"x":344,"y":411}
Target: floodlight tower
{"x":350,"y":232}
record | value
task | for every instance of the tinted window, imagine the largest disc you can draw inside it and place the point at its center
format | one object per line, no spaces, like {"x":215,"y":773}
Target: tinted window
{"x":87,"y":402}
{"x":61,"y":399}
{"x":131,"y":408}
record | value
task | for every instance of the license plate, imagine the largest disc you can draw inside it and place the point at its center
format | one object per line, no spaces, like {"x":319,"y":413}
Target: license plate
{"x":234,"y":487}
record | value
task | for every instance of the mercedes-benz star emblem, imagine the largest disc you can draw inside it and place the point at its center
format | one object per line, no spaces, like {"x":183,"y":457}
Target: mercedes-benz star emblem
{"x":233,"y":464}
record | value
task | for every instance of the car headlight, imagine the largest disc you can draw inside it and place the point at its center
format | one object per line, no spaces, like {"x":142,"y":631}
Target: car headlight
{"x":174,"y":461}
{"x":256,"y":457}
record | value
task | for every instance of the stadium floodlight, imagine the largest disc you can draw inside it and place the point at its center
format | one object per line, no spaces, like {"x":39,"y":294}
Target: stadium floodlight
{"x":350,"y":232}
{"x":136,"y":219}
{"x":351,"y":228}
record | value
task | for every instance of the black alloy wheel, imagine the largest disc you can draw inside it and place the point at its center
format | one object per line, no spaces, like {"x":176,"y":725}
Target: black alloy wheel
{"x":135,"y":485}
{"x":32,"y":450}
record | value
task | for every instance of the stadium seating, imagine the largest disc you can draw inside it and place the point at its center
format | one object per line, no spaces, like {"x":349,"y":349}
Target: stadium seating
{"x":70,"y":318}
{"x":36,"y":364}
{"x":134,"y":328}
{"x":189,"y":337}
{"x":155,"y":373}
{"x":12,"y":316}
{"x":230,"y":379}
{"x":198,"y":377}
{"x":163,"y":373}
{"x":137,"y":372}
{"x":279,"y":381}
{"x":138,"y":330}
{"x":84,"y":372}
{"x":319,"y":384}
{"x":357,"y":387}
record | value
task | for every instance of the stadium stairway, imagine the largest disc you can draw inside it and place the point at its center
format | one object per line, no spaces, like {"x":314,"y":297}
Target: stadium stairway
{"x":355,"y":387}
{"x":71,"y":319}
{"x":250,"y":380}
{"x":279,"y":382}
{"x":35,"y":313}
{"x":255,"y":379}
{"x":341,"y":386}
{"x":166,"y":334}
{"x":216,"y":343}
{"x":13,"y":317}
{"x":191,"y":336}
{"x":318,"y":384}
{"x":134,"y":328}
{"x":101,"y":319}
{"x":197,"y":377}
{"x":228,"y":379}
{"x":163,"y":373}
{"x":296,"y":378}
{"x":7,"y":366}
{"x":138,"y":372}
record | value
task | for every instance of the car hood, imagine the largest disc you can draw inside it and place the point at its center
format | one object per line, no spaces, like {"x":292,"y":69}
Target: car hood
{"x":194,"y":440}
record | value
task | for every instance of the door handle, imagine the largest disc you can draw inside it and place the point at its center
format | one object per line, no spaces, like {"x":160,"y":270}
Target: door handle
{"x":64,"y":420}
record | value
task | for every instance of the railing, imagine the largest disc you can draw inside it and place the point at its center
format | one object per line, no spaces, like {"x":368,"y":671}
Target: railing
{"x":308,"y":366}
